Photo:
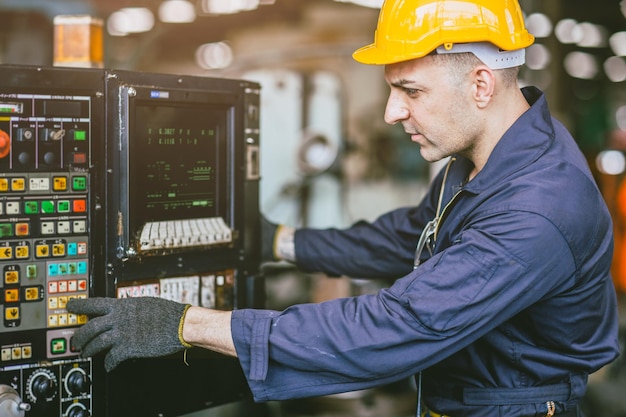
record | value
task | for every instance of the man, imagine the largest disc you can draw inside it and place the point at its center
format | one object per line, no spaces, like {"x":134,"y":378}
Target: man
{"x":507,"y":304}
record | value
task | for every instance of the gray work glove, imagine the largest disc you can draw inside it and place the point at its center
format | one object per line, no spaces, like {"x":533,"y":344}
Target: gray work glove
{"x":143,"y":327}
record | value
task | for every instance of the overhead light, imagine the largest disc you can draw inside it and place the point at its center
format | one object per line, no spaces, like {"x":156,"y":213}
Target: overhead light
{"x":215,"y":55}
{"x":130,"y":20}
{"x":177,"y":11}
{"x":375,"y":4}
{"x":618,"y":43}
{"x":592,"y":35}
{"x":539,"y":25}
{"x":615,"y":69}
{"x":227,"y":6}
{"x":611,"y":162}
{"x":620,"y":117}
{"x":537,"y":57}
{"x":568,"y":31}
{"x":581,"y":65}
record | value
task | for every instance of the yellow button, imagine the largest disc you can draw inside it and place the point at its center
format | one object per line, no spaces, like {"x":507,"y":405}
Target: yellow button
{"x":42,"y":251}
{"x":12,"y":313}
{"x":11,"y":277}
{"x":58,"y":249}
{"x":6,"y":252}
{"x":31,"y":293}
{"x":27,"y":352}
{"x":59,"y":183}
{"x":4,"y":185}
{"x":22,"y":252}
{"x":18,"y":184}
{"x":82,"y":319}
{"x":11,"y":296}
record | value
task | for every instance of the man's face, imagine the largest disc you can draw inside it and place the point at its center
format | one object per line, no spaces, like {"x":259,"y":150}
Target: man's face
{"x":436,"y":109}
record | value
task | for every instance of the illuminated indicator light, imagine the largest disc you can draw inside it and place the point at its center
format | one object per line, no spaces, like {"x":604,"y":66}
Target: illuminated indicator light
{"x":71,"y":249}
{"x":80,"y":135}
{"x":79,"y":158}
{"x":12,"y":108}
{"x":4,"y":185}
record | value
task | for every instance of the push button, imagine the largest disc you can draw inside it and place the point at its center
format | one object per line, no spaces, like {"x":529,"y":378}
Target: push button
{"x":59,"y":183}
{"x":18,"y":184}
{"x":79,"y":183}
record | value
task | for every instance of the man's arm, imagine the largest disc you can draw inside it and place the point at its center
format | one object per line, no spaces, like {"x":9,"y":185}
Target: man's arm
{"x":209,"y":329}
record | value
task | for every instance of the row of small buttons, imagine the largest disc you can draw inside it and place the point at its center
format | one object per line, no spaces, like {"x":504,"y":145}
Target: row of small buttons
{"x":16,"y":352}
{"x":32,"y":207}
{"x":43,"y":249}
{"x":59,"y":183}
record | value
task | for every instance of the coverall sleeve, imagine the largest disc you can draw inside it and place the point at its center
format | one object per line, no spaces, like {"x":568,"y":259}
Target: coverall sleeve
{"x":382,"y":249}
{"x":490,"y":273}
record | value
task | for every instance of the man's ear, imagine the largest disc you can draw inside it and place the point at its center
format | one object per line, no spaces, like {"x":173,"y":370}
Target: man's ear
{"x":483,"y":84}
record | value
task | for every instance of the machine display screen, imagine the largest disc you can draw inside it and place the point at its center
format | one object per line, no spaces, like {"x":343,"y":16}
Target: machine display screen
{"x":177,"y":162}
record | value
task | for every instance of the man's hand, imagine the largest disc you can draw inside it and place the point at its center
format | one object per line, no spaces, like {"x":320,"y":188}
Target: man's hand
{"x":129,"y":328}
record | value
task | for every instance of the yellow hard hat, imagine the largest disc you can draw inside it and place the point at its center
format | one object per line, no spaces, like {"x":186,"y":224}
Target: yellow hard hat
{"x":409,"y":29}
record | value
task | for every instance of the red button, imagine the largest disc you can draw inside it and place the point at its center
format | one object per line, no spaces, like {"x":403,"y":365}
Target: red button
{"x":79,"y":206}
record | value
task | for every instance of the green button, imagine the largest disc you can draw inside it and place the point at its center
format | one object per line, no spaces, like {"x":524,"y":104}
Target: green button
{"x":6,"y":230}
{"x":47,"y":206}
{"x":58,"y":346}
{"x":80,"y":135}
{"x":63,"y":206}
{"x":31,"y":207}
{"x":79,"y":183}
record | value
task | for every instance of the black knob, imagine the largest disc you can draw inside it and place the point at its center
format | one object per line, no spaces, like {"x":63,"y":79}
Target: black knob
{"x":78,"y":382}
{"x":78,"y":412}
{"x":44,"y":387}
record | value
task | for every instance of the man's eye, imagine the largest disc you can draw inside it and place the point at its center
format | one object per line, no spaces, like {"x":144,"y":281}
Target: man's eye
{"x":411,"y":91}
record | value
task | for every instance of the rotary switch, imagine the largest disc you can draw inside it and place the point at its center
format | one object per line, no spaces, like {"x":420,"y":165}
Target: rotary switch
{"x":11,"y":404}
{"x":41,"y":386}
{"x":77,"y":382}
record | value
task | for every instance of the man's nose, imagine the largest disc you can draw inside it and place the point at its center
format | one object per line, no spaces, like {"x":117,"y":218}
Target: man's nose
{"x":396,"y":110}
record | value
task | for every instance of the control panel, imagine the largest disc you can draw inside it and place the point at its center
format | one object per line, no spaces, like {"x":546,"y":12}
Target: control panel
{"x":46,"y":256}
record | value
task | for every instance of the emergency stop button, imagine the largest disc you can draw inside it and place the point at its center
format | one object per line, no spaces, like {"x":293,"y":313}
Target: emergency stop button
{"x":5,"y":144}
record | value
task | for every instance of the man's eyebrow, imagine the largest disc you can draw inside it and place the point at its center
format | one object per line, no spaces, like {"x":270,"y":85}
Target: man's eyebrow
{"x":401,"y":83}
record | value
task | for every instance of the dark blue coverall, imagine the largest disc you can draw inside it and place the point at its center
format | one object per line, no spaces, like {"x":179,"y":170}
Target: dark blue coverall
{"x":514,"y":309}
